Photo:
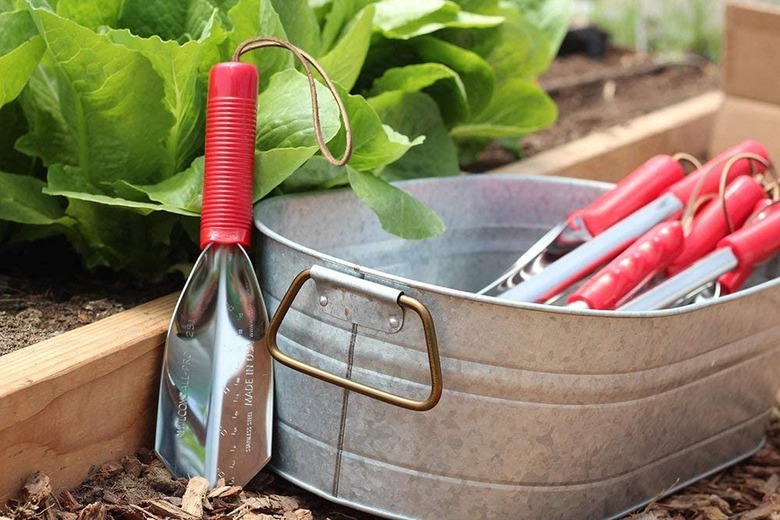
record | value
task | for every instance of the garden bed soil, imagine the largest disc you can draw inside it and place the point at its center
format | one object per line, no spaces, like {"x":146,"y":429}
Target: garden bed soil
{"x":43,"y":293}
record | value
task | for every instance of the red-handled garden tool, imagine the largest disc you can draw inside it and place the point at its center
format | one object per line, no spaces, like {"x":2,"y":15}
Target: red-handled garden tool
{"x":216,"y":394}
{"x":640,"y":187}
{"x":733,"y":280}
{"x":756,"y":242}
{"x":574,"y":266}
{"x":663,"y":245}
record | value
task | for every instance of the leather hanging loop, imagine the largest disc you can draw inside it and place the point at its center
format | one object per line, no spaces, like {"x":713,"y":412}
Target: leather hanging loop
{"x":306,"y":61}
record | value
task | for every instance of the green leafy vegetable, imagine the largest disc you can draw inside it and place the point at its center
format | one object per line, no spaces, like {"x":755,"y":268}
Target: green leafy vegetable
{"x":22,"y":200}
{"x":106,"y":101}
{"x":398,"y":212}
{"x":20,"y":50}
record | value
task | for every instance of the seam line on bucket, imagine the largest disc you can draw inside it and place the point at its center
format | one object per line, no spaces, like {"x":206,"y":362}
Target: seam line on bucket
{"x":344,"y":405}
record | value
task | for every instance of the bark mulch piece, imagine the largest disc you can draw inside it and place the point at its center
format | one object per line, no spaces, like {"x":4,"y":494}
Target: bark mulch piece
{"x":139,"y":487}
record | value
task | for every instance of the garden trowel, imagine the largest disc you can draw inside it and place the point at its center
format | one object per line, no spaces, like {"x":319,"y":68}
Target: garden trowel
{"x":216,"y":394}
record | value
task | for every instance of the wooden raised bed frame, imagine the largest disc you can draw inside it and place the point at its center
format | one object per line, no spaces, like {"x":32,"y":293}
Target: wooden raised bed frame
{"x":90,"y":395}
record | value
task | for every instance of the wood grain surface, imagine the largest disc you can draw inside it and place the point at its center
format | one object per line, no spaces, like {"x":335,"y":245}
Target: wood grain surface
{"x":82,"y":398}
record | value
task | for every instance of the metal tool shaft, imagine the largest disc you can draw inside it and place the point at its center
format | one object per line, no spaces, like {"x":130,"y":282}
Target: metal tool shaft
{"x":674,"y":289}
{"x":585,"y":259}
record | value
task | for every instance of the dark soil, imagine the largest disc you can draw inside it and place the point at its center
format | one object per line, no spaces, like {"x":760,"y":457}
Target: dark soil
{"x":594,"y":95}
{"x":38,"y":301}
{"x":44,"y":294}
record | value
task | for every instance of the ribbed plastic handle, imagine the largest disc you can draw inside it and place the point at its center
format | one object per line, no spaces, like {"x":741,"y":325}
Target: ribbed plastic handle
{"x":629,"y":271}
{"x":226,"y":217}
{"x":640,"y":187}
{"x":713,"y":168}
{"x":710,"y":225}
{"x":755,"y":243}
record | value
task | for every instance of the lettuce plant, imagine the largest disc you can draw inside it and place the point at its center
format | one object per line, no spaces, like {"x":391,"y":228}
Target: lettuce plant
{"x":102,"y":108}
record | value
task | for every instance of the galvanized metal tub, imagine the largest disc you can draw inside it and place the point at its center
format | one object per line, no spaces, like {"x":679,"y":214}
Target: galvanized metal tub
{"x":546,"y":412}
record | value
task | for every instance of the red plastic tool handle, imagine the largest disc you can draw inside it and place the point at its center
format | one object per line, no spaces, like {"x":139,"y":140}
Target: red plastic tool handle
{"x":734,"y":280}
{"x":637,"y":189}
{"x":629,"y":271}
{"x":713,"y":169}
{"x":710,"y":225}
{"x":226,"y":217}
{"x":757,"y":242}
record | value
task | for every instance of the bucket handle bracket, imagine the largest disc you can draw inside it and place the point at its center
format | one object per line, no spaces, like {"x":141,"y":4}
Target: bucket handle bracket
{"x":404,"y":301}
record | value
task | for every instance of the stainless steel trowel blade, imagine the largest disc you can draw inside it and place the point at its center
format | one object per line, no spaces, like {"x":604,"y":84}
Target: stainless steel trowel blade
{"x":215,"y":411}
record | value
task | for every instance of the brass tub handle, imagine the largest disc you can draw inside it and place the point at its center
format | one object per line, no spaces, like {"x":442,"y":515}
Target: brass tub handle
{"x":405,"y":301}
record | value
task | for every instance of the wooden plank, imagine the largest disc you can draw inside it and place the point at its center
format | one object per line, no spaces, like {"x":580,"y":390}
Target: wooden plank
{"x":740,"y":119}
{"x":750,"y":68}
{"x":82,"y":398}
{"x":610,"y":154}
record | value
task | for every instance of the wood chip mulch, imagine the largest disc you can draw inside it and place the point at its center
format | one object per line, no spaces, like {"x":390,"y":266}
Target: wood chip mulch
{"x":140,"y":488}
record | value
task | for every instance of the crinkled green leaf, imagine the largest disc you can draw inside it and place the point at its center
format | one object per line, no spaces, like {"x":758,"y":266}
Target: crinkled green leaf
{"x":440,"y":81}
{"x":409,"y":18}
{"x":375,"y":144}
{"x":315,"y":174}
{"x":417,"y":115}
{"x":479,"y":6}
{"x":273,"y":166}
{"x":344,"y":62}
{"x":180,"y":66}
{"x":20,"y":50}
{"x":550,"y":16}
{"x":518,"y":107}
{"x":179,"y":20}
{"x":50,"y":136}
{"x":124,"y":240}
{"x":337,"y":19}
{"x":95,"y":105}
{"x":91,"y":14}
{"x":183,"y":191}
{"x":22,"y":200}
{"x":398,"y":212}
{"x":524,"y":51}
{"x":473,"y":71}
{"x":284,"y":118}
{"x":252,"y":18}
{"x":299,"y":23}
{"x":13,"y":125}
{"x":71,"y":183}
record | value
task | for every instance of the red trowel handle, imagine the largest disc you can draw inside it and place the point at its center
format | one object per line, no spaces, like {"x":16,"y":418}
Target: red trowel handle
{"x":629,"y":271}
{"x":640,"y":187}
{"x":226,"y":217}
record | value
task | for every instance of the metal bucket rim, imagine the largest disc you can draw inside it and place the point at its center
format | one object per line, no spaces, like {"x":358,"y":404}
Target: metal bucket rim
{"x":490,"y":300}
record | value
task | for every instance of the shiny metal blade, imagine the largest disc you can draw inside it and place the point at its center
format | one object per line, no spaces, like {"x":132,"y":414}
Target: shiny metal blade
{"x":215,"y":409}
{"x":514,"y":275}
